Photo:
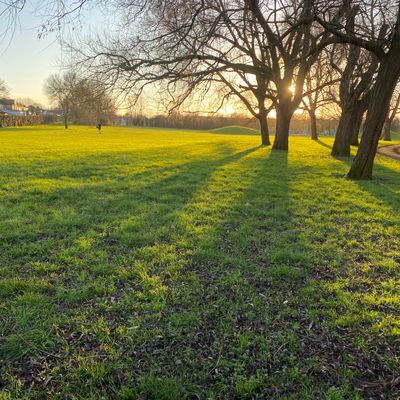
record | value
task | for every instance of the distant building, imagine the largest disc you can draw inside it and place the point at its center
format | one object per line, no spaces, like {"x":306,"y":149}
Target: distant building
{"x":11,"y":107}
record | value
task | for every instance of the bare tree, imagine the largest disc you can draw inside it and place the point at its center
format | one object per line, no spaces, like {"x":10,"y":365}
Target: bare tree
{"x":316,"y":96}
{"x":268,"y":46}
{"x":356,"y":68}
{"x":387,"y":50}
{"x":387,"y":77}
{"x":3,"y":89}
{"x":62,"y":89}
{"x":92,"y":103}
{"x":391,"y":115}
{"x":252,"y":95}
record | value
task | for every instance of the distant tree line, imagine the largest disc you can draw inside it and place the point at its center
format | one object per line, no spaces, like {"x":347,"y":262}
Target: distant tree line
{"x":189,"y":121}
{"x":299,"y":125}
{"x":20,"y":120}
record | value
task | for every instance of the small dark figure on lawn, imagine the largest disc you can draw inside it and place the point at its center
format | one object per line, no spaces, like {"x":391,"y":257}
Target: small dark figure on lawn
{"x":98,"y":126}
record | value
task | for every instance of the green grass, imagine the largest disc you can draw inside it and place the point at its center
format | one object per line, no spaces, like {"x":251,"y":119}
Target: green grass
{"x":144,"y":264}
{"x":236,"y":130}
{"x":395,"y":136}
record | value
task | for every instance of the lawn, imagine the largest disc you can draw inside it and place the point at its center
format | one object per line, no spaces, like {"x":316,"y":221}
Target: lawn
{"x":160,"y":264}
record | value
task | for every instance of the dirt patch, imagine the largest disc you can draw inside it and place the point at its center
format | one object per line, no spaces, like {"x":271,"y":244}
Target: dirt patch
{"x":392,"y":151}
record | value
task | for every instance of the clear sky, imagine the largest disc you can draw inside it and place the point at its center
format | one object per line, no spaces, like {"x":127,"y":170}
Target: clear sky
{"x":26,"y":60}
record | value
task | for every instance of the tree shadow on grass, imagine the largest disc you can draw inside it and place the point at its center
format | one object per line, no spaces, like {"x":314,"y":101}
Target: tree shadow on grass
{"x":230,"y":326}
{"x":256,"y":314}
{"x":64,"y":245}
{"x":322,"y":143}
{"x":384,"y":181}
{"x":199,"y":282}
{"x":237,"y":320}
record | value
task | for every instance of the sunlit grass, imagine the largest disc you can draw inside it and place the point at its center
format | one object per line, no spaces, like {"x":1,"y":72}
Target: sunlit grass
{"x":178,"y":264}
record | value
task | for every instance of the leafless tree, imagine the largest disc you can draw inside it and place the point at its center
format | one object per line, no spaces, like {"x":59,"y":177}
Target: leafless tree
{"x":316,"y":96}
{"x":268,"y":46}
{"x":92,"y":103}
{"x":83,"y":99}
{"x":386,"y":13}
{"x":252,"y":95}
{"x":356,"y":68}
{"x":62,"y":90}
{"x":3,"y":89}
{"x":391,"y":115}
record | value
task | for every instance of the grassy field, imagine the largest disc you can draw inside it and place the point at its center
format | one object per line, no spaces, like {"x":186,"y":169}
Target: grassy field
{"x":144,"y":264}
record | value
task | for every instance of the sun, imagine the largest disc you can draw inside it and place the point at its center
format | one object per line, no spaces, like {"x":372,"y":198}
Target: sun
{"x":228,"y":109}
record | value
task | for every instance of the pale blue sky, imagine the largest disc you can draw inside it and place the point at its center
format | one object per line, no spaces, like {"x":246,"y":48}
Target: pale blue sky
{"x":26,"y":61}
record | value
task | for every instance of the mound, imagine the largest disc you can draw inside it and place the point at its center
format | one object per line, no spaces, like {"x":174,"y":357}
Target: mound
{"x":235,"y":130}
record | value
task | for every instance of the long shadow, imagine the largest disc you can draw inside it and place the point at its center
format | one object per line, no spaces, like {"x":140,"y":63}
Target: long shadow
{"x":201,"y":272}
{"x":88,"y":206}
{"x":382,"y":186}
{"x":319,"y":141}
{"x":92,"y":235}
{"x":254,"y":277}
{"x":241,"y":270}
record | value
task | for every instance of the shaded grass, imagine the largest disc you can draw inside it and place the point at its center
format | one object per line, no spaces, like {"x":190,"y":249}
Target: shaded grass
{"x":187,"y":265}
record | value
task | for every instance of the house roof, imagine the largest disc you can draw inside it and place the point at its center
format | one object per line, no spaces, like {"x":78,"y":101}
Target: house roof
{"x":8,"y":102}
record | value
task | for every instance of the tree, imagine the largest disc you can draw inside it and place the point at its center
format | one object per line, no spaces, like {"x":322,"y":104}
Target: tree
{"x":252,"y":95}
{"x":356,"y":68}
{"x":193,"y":47}
{"x":387,"y":50}
{"x":381,"y":94}
{"x":357,"y":78}
{"x":3,"y":89}
{"x":390,"y":116}
{"x":318,"y":79}
{"x":268,"y":46}
{"x":92,"y":103}
{"x":62,"y":89}
{"x":84,"y":100}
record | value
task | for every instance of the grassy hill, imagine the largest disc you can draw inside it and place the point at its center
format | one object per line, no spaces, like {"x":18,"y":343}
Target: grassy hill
{"x":396,"y":136}
{"x":171,"y":265}
{"x":236,"y":130}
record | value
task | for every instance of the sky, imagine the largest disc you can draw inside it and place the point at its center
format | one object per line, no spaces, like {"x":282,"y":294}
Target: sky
{"x":26,"y":61}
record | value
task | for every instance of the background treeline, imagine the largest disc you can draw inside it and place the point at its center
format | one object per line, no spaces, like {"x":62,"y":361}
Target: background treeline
{"x":300,"y":125}
{"x":20,"y":120}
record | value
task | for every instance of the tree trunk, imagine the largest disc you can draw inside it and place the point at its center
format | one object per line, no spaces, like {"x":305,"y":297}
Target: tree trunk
{"x":313,"y":120}
{"x":263,"y":119}
{"x":65,"y":108}
{"x":355,"y":130}
{"x":386,"y":80}
{"x":386,"y":130}
{"x":341,"y":145}
{"x":347,"y":130}
{"x":283,"y":117}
